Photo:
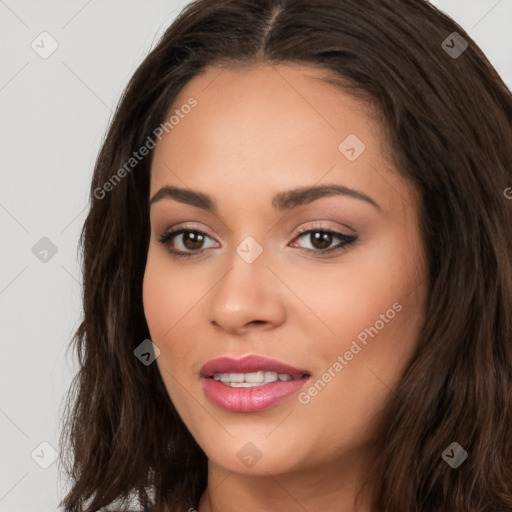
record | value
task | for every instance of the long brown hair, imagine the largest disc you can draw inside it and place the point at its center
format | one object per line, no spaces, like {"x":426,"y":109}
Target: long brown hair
{"x":447,"y":117}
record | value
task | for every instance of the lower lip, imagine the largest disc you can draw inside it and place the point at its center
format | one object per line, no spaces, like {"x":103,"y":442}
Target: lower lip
{"x":256,"y":398}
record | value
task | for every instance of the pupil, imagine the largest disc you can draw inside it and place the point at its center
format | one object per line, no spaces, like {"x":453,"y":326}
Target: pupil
{"x":321,"y":238}
{"x":193,"y":240}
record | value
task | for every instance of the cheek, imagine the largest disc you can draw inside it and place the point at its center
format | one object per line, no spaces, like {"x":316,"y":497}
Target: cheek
{"x":374,"y":354}
{"x":378,"y":278}
{"x":159,"y":301}
{"x":165,"y":307}
{"x":168,"y":294}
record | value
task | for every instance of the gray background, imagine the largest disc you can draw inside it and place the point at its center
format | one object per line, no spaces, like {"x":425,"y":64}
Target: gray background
{"x":55,"y":112}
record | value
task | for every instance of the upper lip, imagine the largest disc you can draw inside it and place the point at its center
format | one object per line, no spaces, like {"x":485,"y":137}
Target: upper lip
{"x":248,"y":364}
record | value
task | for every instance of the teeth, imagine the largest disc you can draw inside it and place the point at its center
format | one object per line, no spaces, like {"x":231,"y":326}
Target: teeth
{"x":247,"y":380}
{"x":252,"y":377}
{"x":271,"y":376}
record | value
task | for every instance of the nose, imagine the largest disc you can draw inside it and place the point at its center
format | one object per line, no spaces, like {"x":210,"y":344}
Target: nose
{"x":248,"y":296}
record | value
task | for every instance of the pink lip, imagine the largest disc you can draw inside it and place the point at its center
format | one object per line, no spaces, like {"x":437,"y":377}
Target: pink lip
{"x":248,"y":364}
{"x":255,"y":398}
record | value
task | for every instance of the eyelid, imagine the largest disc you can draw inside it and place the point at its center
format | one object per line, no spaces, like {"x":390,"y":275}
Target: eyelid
{"x":297,"y":231}
{"x":184,"y":227}
{"x":319,"y":226}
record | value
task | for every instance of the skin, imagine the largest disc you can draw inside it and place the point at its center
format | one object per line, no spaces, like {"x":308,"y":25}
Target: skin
{"x":256,"y":132}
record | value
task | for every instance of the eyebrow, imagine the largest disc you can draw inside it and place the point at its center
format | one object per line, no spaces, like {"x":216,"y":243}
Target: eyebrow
{"x":281,"y":201}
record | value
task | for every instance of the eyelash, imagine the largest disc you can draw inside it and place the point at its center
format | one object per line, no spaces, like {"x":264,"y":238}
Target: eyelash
{"x":347,"y":240}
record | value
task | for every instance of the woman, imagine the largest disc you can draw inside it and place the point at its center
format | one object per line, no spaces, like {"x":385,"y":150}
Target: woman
{"x":297,"y":269}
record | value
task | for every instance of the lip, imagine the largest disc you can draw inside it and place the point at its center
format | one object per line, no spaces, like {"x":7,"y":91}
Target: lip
{"x":248,"y":364}
{"x":254,"y":398}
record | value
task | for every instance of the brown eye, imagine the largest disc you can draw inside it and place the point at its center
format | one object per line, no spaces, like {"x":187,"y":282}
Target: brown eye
{"x":192,"y":240}
{"x":320,"y":240}
{"x":184,"y":242}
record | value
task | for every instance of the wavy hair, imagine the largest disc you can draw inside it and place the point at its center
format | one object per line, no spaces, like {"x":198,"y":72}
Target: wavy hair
{"x":447,"y":119}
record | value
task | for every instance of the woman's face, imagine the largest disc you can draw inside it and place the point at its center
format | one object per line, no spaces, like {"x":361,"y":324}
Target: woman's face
{"x":255,"y":285}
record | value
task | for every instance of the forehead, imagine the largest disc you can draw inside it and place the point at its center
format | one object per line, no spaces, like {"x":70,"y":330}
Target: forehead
{"x":265,"y":128}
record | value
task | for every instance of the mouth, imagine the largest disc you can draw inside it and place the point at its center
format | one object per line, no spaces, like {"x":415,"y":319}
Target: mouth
{"x":257,"y":369}
{"x":250,"y":384}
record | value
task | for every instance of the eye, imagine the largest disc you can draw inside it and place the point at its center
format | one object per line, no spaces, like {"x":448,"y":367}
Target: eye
{"x":190,"y":241}
{"x":321,"y":239}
